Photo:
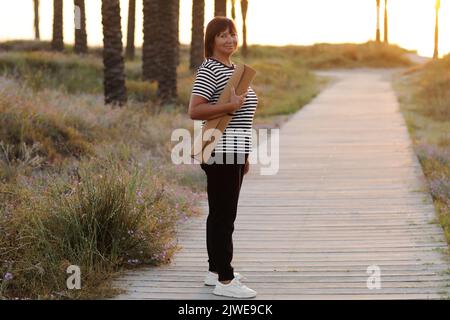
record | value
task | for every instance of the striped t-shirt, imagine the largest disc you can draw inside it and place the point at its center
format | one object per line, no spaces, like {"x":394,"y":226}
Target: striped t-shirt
{"x":211,"y":78}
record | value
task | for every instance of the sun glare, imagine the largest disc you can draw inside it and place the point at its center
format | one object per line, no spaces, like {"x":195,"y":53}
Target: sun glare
{"x":281,"y":22}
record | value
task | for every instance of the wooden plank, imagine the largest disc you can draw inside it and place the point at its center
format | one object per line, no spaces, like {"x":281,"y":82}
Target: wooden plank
{"x":283,"y":256}
{"x":437,"y":285}
{"x":149,"y":296}
{"x":298,"y":278}
{"x":324,"y":296}
{"x":303,"y":271}
{"x":201,"y":263}
{"x":319,"y":251}
{"x":267,"y":271}
{"x":275,"y":291}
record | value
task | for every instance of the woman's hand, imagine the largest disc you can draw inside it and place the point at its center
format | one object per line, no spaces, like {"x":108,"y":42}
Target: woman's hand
{"x":246,"y":167}
{"x":236,"y":100}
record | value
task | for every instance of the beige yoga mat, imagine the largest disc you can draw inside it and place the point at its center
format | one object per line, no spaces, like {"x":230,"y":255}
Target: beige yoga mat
{"x":212,"y":131}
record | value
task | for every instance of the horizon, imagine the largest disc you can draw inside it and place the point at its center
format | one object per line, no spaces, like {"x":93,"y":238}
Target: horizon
{"x":412,"y":30}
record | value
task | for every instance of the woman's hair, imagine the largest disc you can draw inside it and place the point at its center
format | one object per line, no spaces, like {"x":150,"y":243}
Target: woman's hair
{"x":213,"y":29}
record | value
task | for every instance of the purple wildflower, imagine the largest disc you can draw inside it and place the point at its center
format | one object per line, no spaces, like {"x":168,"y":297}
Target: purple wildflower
{"x":8,"y":276}
{"x":133,"y":261}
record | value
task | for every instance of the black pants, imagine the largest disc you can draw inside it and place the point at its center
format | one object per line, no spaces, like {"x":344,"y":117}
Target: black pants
{"x":224,"y":182}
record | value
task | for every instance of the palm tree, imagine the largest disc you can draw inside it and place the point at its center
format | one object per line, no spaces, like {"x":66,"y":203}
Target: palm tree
{"x":378,"y":22}
{"x":177,"y":31}
{"x":167,"y":81}
{"x":385,"y":22}
{"x":80,"y":27}
{"x":150,"y":54}
{"x":197,"y":45}
{"x":233,"y":9}
{"x":113,"y":61}
{"x":36,"y":20}
{"x":58,"y":40}
{"x":244,"y":7}
{"x":436,"y":31}
{"x":131,"y":29}
{"x":220,"y":8}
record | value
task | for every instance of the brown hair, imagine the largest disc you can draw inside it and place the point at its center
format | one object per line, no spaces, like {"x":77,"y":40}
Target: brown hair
{"x":214,"y":28}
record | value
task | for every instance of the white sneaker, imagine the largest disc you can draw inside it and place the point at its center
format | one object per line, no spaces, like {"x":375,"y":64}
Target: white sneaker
{"x":212,"y":278}
{"x":234,"y":289}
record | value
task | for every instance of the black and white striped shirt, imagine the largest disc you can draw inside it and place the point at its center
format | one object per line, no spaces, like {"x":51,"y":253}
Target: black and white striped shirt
{"x":211,"y":78}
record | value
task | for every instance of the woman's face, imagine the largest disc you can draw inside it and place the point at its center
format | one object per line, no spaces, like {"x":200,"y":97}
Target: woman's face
{"x":226,"y":43}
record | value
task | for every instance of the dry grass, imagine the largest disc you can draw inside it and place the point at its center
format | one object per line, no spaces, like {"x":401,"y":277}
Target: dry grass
{"x":59,"y":202}
{"x":424,"y":95}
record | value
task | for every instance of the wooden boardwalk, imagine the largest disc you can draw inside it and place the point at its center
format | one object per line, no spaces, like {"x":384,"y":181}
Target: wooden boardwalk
{"x":349,"y":193}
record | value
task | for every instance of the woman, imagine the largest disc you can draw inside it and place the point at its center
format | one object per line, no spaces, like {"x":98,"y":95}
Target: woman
{"x":224,"y":179}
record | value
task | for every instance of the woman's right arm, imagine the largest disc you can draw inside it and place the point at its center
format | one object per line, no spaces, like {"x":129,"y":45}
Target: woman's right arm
{"x":200,"y":109}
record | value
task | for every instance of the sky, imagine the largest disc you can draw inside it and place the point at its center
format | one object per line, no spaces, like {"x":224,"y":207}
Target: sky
{"x":280,"y":22}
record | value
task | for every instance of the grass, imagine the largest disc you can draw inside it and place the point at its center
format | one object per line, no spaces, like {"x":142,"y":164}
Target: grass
{"x":57,"y":204}
{"x":25,"y":45}
{"x":284,"y":79}
{"x":52,"y":136}
{"x":424,"y":97}
{"x":108,"y":216}
{"x":331,"y":56}
{"x":85,"y":184}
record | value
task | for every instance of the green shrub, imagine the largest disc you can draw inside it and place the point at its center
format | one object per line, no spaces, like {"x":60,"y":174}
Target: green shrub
{"x":102,"y":218}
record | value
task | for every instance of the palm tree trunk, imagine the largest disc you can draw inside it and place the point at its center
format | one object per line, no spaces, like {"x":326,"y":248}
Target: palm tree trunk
{"x":197,"y":45}
{"x":233,"y":9}
{"x":378,"y":22}
{"x":58,"y":40}
{"x":113,"y":61}
{"x":167,"y":82}
{"x":36,"y":20}
{"x":220,"y":8}
{"x":244,"y":8}
{"x":385,"y":22}
{"x":177,"y":31}
{"x":80,"y":27}
{"x":150,"y":54}
{"x":130,"y":51}
{"x":436,"y":31}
